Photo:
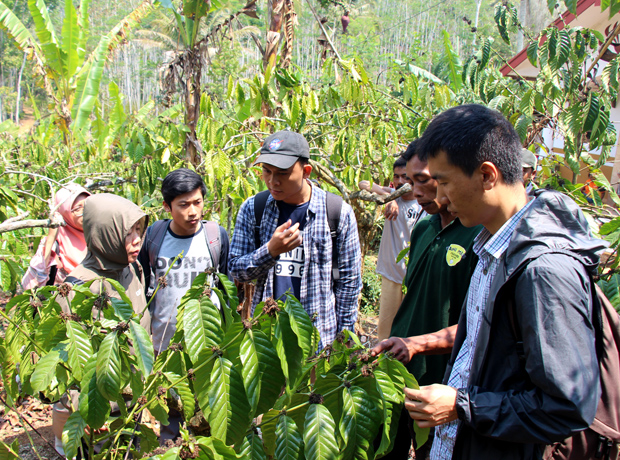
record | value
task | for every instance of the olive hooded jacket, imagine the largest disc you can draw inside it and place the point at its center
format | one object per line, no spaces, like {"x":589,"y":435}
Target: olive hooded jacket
{"x":107,"y":221}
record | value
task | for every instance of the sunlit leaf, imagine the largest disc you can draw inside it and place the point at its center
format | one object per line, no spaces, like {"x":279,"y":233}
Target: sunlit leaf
{"x":72,"y":434}
{"x":230,"y":411}
{"x":288,"y":438}
{"x":319,"y":434}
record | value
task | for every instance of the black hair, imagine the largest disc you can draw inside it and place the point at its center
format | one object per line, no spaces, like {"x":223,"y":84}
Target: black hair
{"x":181,"y":181}
{"x":400,"y":162}
{"x":303,"y":161}
{"x":472,"y":134}
{"x":410,"y":152}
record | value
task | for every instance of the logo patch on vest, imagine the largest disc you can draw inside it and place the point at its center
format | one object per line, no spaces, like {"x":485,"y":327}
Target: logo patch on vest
{"x":454,"y":254}
{"x":275,"y":144}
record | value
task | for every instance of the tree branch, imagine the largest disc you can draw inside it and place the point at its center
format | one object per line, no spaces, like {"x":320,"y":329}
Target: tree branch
{"x":325,"y":174}
{"x":17,"y":218}
{"x":604,"y":48}
{"x":364,"y":195}
{"x":329,"y":40}
{"x":11,"y":225}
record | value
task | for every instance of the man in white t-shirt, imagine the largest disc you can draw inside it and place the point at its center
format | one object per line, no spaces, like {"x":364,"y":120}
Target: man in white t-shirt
{"x":203,"y":244}
{"x":400,"y":217}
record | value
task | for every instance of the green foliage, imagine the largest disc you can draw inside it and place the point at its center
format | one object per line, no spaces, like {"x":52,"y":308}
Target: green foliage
{"x":355,"y":128}
{"x":238,"y":369}
{"x":70,"y":78}
{"x":371,"y":288}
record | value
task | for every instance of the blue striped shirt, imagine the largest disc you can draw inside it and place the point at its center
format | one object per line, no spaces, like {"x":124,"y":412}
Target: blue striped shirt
{"x":335,"y":308}
{"x":489,"y":249}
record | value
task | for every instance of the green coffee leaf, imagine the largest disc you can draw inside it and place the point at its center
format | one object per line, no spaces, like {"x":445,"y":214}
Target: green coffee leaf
{"x":143,"y":347}
{"x":72,"y":434}
{"x":359,"y":424}
{"x":45,"y":371}
{"x":94,"y":407}
{"x":319,"y":434}
{"x":181,"y":388}
{"x":230,"y":411}
{"x":270,"y":370}
{"x":202,"y":326}
{"x":250,"y":369}
{"x":288,"y":438}
{"x":79,"y":348}
{"x":300,"y":324}
{"x":109,"y":367}
{"x":290,"y":353}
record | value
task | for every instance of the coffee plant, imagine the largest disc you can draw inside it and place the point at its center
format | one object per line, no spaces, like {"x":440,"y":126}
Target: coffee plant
{"x":251,"y":388}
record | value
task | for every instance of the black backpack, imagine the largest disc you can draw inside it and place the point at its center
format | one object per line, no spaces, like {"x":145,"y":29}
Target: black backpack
{"x":156,"y":233}
{"x":333,"y":203}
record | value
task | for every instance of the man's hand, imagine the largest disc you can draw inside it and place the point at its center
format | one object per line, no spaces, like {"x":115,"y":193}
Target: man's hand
{"x":285,"y":239}
{"x":398,"y":346}
{"x":431,"y":405}
{"x":404,"y":349}
{"x":391,"y":210}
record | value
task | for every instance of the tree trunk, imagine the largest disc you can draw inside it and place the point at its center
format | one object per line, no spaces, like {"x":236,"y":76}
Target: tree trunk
{"x":19,"y":90}
{"x":276,"y":8}
{"x":192,"y":103}
{"x":478,"y":3}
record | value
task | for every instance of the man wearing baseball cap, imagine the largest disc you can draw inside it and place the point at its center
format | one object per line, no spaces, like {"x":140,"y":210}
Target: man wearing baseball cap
{"x":282,"y":240}
{"x":528,"y":163}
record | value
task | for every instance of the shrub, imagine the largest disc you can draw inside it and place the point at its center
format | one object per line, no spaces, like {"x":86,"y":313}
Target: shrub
{"x":371,"y":288}
{"x":330,"y":404}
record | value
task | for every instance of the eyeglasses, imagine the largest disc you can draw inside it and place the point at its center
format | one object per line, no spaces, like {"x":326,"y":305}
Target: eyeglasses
{"x":78,"y":212}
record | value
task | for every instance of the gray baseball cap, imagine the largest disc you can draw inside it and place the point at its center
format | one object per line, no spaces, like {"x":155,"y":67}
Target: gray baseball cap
{"x":283,"y":149}
{"x":528,"y":159}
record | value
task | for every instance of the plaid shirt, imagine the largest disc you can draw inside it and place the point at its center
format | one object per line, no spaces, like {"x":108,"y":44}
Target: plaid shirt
{"x":336,"y":308}
{"x":489,"y":249}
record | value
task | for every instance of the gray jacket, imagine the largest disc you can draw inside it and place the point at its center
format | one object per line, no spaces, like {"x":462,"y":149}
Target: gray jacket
{"x":515,"y":403}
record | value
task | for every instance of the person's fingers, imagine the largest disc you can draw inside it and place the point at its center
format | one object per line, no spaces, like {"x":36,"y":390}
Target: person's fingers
{"x":413,"y":394}
{"x":283,"y":228}
{"x":381,"y":346}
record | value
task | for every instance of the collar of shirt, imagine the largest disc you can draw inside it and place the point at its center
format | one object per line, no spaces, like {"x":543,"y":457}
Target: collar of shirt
{"x":487,"y":246}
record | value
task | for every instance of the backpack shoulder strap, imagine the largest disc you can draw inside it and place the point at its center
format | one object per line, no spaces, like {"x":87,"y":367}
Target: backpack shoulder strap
{"x":212,"y":234}
{"x":260,"y":201}
{"x":333,"y":203}
{"x":155,"y":237}
{"x":73,"y":280}
{"x":153,"y":240}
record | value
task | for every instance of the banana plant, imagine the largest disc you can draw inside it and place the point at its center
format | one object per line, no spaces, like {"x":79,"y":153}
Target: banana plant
{"x":70,"y":76}
{"x":186,"y":67}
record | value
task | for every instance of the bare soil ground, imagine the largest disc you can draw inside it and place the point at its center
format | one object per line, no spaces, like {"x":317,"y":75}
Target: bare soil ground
{"x":26,"y":121}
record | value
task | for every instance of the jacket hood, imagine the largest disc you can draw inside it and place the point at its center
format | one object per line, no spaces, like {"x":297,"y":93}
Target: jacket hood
{"x":553,"y":223}
{"x":108,"y":219}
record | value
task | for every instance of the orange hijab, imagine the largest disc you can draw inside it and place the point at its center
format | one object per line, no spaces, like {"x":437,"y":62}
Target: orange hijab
{"x":70,"y":238}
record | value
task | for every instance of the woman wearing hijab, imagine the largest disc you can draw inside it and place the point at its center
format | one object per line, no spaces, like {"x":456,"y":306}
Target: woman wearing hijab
{"x":113,"y":230}
{"x":65,"y":247}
